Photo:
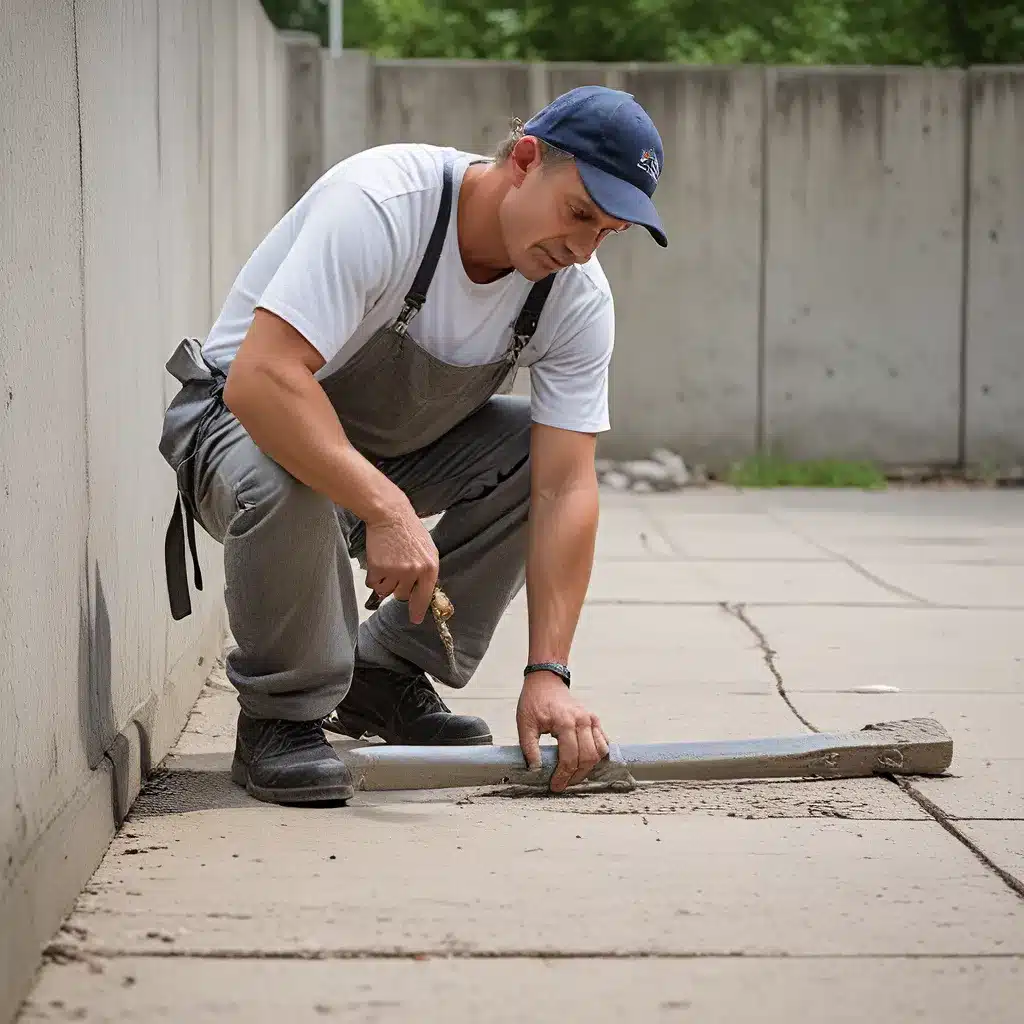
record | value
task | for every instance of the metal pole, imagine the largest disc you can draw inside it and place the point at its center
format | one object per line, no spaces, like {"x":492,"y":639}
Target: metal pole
{"x":336,"y":16}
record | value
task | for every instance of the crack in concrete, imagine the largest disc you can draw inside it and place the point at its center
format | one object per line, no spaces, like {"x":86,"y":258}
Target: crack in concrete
{"x":867,"y":574}
{"x":855,"y":566}
{"x":930,"y":808}
{"x":79,"y":955}
{"x":738,"y":611}
{"x":940,"y":816}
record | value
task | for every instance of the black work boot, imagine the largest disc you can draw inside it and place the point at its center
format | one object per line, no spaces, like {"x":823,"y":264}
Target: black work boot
{"x":402,"y":708}
{"x":285,"y":762}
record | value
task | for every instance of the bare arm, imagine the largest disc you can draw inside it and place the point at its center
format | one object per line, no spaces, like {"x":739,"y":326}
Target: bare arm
{"x":272,"y":390}
{"x":563,"y":530}
{"x":562,"y":535}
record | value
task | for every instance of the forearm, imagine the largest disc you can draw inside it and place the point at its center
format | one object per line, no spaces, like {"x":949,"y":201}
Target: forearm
{"x":289,"y":417}
{"x":562,"y":535}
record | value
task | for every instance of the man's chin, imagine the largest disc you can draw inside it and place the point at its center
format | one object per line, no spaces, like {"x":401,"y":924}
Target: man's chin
{"x":536,"y":266}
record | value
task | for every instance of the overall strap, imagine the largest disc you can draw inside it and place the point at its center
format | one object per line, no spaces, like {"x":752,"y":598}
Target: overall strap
{"x":529,"y":316}
{"x":417,"y":294}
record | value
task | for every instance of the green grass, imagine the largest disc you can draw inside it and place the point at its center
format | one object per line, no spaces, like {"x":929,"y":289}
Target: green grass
{"x":770,"y":470}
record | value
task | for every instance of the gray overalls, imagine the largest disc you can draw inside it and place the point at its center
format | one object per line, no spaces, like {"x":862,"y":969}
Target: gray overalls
{"x":450,"y":437}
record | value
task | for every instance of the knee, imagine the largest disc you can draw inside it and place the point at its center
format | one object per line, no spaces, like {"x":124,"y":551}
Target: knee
{"x":269,"y":492}
{"x":515,"y":431}
{"x":517,"y":413}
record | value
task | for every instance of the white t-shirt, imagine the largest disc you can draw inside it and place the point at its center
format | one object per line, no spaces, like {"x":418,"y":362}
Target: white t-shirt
{"x":339,"y":264}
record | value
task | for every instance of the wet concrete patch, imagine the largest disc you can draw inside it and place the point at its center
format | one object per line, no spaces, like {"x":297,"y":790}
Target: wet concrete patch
{"x":863,"y":799}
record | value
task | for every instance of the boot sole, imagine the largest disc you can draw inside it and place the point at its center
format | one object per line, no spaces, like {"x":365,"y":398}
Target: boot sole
{"x":304,"y":795}
{"x":356,"y":727}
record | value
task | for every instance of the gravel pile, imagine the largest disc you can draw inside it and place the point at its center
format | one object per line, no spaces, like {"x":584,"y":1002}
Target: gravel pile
{"x":663,"y":471}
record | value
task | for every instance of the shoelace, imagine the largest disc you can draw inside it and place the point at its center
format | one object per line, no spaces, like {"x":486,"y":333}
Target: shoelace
{"x":421,"y":696}
{"x":288,"y":737}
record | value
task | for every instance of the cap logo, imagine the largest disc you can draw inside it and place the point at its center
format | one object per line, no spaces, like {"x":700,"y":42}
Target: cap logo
{"x":649,"y":164}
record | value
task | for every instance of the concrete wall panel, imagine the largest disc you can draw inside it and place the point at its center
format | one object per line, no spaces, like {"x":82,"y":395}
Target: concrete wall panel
{"x":280,"y":155}
{"x":129,"y":494}
{"x":863,"y":283}
{"x":185,"y":135}
{"x":225,"y":251}
{"x":43,"y":494}
{"x":467,"y":104}
{"x":995,"y":308}
{"x":304,"y":127}
{"x":105,"y":263}
{"x":685,"y":367}
{"x":185,"y":130}
{"x":347,"y":84}
{"x":249,"y":120}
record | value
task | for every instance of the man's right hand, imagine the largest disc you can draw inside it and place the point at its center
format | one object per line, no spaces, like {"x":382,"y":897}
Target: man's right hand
{"x":402,"y":559}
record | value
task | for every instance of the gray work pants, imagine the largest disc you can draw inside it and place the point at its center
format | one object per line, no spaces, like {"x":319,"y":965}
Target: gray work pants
{"x":290,"y":591}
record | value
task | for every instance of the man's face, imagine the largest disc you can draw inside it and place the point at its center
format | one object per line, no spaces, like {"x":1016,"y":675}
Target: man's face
{"x":548,"y":219}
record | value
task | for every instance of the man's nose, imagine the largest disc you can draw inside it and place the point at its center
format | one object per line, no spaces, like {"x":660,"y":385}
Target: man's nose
{"x":583,"y":245}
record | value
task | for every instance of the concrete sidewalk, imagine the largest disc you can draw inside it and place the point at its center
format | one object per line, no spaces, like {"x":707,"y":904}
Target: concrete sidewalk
{"x":712,"y":615}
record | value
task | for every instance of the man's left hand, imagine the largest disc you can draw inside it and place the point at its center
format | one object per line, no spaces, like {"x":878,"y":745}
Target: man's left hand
{"x":546,"y":707}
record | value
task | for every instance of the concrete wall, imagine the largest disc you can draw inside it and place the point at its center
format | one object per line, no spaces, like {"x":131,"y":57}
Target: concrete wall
{"x":995,"y":296}
{"x":149,"y":157}
{"x":863,"y":263}
{"x":828,"y":290}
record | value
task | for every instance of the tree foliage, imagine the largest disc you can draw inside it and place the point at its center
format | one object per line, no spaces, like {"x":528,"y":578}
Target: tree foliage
{"x":935,"y":32}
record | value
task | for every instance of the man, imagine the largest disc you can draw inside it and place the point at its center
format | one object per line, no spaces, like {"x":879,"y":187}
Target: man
{"x":356,"y":382}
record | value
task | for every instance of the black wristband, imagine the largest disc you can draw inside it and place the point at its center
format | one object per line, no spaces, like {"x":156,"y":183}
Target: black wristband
{"x":549,"y":666}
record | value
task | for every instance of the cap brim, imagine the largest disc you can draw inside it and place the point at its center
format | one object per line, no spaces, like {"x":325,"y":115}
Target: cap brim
{"x":622,"y":200}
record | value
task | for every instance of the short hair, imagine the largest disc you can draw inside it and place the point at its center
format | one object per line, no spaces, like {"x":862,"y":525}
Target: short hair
{"x":549,"y":154}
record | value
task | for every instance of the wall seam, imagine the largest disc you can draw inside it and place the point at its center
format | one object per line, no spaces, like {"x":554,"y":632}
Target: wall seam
{"x":87,"y":596}
{"x":760,"y":426}
{"x":965,"y":262}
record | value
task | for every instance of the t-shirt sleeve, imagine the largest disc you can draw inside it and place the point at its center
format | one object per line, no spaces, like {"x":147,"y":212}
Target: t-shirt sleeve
{"x":336,"y":268}
{"x":569,"y":383}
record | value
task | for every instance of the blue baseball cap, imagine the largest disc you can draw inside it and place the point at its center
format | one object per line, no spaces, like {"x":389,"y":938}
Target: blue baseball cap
{"x":618,"y":150}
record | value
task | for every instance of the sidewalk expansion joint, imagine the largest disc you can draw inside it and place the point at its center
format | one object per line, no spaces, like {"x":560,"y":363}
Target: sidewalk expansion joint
{"x":940,"y":816}
{"x":738,"y":611}
{"x":930,"y":808}
{"x":854,"y":565}
{"x":75,"y":954}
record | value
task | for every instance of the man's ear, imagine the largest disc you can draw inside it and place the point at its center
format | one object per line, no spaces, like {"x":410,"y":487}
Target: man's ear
{"x":526,"y":156}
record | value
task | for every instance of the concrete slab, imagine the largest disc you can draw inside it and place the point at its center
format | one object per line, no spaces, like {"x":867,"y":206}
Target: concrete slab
{"x":898,"y":511}
{"x":754,"y":537}
{"x":630,"y":650}
{"x":922,"y":650}
{"x":1002,"y":841}
{"x":754,"y":582}
{"x":976,"y":546}
{"x":960,"y":586}
{"x":627,"y":531}
{"x":464,"y":878}
{"x":979,"y":788}
{"x":735,"y":899}
{"x":508,"y":991}
{"x":657,"y":716}
{"x":650,"y":673}
{"x":981,"y":725}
